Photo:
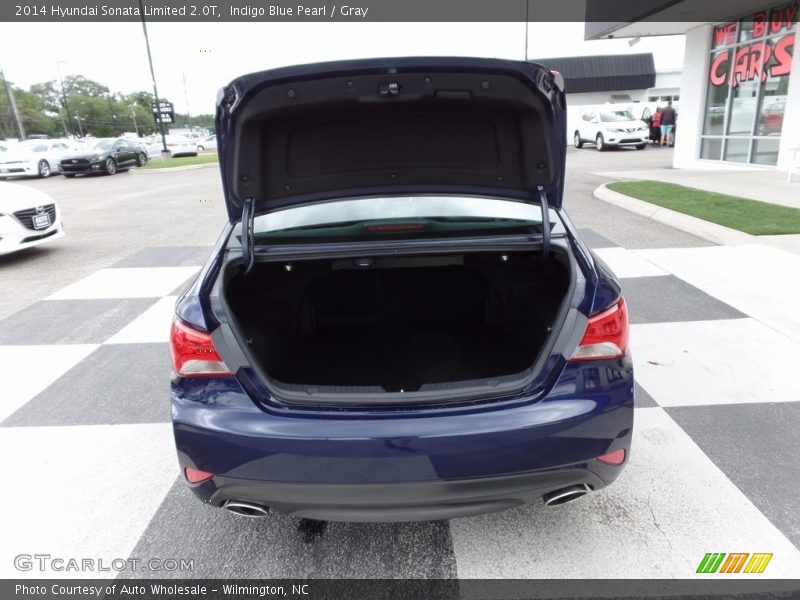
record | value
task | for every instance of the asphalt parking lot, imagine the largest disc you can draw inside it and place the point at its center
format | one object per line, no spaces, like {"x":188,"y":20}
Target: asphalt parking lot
{"x":84,"y":369}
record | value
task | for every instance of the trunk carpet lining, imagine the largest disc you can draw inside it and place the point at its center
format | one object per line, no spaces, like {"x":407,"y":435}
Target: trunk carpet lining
{"x":402,"y":356}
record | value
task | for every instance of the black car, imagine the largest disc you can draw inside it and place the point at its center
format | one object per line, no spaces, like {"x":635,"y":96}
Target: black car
{"x":103,"y":155}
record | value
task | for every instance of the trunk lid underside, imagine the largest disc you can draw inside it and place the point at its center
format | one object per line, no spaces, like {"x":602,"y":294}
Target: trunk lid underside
{"x":391,"y":126}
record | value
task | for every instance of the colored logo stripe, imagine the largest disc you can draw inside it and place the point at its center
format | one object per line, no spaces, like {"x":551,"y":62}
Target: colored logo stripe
{"x":734,"y":562}
{"x":713,"y":562}
{"x":758,"y":563}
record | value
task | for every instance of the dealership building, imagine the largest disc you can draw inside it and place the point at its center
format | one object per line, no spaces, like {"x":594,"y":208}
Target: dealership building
{"x":739,"y":103}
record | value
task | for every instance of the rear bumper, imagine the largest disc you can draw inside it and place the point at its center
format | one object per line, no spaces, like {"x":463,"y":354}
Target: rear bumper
{"x":425,"y":501}
{"x":421,"y":463}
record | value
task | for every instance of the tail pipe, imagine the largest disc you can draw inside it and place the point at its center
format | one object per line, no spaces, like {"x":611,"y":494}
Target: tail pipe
{"x":565,"y":495}
{"x":246,"y":509}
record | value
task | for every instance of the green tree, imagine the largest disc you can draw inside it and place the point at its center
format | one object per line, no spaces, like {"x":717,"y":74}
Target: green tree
{"x":31,"y":108}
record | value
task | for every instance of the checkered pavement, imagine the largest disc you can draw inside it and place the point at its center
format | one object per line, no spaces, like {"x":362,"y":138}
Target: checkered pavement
{"x":90,"y":466}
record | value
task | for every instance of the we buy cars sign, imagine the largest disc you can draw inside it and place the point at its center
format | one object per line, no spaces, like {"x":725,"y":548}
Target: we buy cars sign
{"x":164,"y":112}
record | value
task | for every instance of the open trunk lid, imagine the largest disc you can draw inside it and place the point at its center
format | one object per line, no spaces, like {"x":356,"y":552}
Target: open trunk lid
{"x":463,"y":126}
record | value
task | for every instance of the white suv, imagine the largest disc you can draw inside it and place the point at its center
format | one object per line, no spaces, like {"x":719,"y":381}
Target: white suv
{"x":611,"y":127}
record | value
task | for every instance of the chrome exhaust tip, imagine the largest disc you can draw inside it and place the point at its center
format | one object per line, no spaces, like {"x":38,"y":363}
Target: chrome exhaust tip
{"x":246,"y":509}
{"x":565,"y":495}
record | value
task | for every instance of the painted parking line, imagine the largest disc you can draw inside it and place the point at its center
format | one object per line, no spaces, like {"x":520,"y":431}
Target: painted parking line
{"x":27,"y":370}
{"x":714,"y":362}
{"x":757,"y":280}
{"x":151,"y":326}
{"x":141,"y":282}
{"x":89,"y":492}
{"x":669,"y":507}
{"x":625,"y":263}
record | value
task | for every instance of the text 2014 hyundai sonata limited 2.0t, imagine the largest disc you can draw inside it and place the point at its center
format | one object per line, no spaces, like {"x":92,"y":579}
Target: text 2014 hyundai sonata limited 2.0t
{"x":399,"y":321}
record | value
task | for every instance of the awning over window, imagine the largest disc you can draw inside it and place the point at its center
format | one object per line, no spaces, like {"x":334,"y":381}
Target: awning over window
{"x":609,"y":73}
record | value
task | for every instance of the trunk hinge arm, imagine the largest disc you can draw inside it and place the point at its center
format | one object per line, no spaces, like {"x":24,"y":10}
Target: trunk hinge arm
{"x":248,"y":247}
{"x":545,"y":222}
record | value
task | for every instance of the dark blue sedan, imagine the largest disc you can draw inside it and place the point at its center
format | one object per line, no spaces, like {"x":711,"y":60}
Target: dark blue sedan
{"x":399,"y":321}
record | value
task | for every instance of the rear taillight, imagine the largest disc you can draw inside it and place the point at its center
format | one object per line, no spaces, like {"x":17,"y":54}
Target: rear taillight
{"x":193,"y":352}
{"x":606,"y":335}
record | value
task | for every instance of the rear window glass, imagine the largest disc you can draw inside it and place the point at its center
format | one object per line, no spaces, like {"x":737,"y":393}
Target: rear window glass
{"x":401,"y":216}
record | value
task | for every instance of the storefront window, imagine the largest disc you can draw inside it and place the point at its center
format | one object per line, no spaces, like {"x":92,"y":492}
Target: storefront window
{"x":736,"y":149}
{"x":748,"y":79}
{"x":711,"y":148}
{"x":765,"y":151}
{"x":717,"y":97}
{"x":743,"y":108}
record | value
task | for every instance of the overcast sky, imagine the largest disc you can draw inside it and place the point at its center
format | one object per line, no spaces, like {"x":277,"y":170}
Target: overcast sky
{"x":210,"y":55}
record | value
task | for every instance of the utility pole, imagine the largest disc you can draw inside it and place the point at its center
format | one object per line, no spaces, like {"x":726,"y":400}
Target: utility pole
{"x":133,"y":115}
{"x":164,"y":150}
{"x":13,"y":108}
{"x":186,"y":97}
{"x":111,"y":110}
{"x":64,"y":95}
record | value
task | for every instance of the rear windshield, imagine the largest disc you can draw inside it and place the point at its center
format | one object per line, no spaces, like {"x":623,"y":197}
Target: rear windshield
{"x":401,"y":216}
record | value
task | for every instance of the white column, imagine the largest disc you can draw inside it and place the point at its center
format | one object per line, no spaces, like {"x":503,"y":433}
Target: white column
{"x":693,"y":96}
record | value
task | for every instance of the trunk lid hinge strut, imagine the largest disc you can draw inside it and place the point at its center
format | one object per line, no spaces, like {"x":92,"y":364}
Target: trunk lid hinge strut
{"x":545,"y":222}
{"x":248,"y":247}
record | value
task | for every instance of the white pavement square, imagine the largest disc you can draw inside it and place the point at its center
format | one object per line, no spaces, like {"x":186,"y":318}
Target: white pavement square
{"x":143,"y":282}
{"x":89,"y":491}
{"x":625,"y":263}
{"x":151,"y":326}
{"x":760,"y":281}
{"x":668,"y":508}
{"x":27,"y":370}
{"x":715,"y":362}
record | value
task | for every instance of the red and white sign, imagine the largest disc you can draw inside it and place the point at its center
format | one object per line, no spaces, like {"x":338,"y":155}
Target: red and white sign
{"x":758,"y":59}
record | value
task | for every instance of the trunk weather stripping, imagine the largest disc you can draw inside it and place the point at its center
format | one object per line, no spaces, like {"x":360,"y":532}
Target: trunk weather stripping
{"x":545,"y":223}
{"x":248,"y":246}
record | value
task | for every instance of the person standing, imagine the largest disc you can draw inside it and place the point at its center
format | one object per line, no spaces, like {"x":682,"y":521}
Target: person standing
{"x":655,"y":127}
{"x":668,"y":116}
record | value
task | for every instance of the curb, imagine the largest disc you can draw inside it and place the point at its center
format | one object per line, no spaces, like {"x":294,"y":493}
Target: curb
{"x":174,"y":169}
{"x":712,"y":232}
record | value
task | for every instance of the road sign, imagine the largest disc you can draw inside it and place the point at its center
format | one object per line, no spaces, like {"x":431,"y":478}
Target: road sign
{"x":164,"y":112}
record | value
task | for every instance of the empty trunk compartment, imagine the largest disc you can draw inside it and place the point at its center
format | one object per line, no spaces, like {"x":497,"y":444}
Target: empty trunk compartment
{"x":398,"y":324}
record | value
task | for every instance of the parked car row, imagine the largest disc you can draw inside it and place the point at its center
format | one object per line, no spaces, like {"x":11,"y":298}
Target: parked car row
{"x":43,"y":158}
{"x":180,"y":145}
{"x":34,"y":158}
{"x":103,"y":155}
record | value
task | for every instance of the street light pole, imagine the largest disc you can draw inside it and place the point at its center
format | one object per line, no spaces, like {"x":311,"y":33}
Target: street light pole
{"x":64,"y":94}
{"x":155,"y":87}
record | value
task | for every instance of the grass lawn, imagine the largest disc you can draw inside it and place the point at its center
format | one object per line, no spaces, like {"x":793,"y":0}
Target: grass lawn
{"x":750,"y":216}
{"x":181,"y":161}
